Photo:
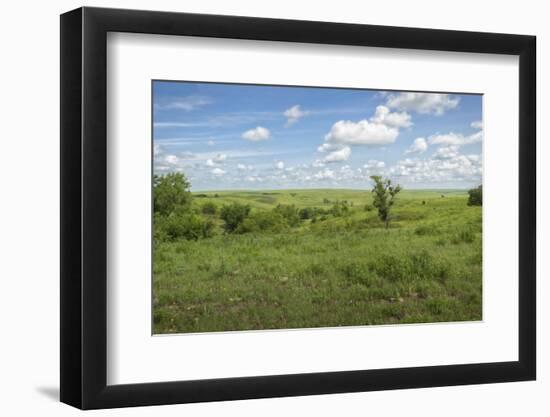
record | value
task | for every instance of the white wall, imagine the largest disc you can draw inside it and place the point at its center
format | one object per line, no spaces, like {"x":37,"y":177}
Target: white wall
{"x":29,"y":237}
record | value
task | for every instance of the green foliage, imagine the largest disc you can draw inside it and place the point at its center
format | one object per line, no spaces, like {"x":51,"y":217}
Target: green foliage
{"x":475,"y":196}
{"x":339,"y":271}
{"x":384,"y":197}
{"x":359,"y":272}
{"x":184,"y":226}
{"x":307,"y":213}
{"x":263,"y":221}
{"x":174,"y":216}
{"x":233,"y":215}
{"x":416,"y":266}
{"x":340,"y":208}
{"x":289,"y":213}
{"x":169,"y":192}
{"x":209,"y":208}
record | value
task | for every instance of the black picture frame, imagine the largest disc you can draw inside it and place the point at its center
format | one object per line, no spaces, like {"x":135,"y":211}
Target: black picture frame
{"x":84,"y":207}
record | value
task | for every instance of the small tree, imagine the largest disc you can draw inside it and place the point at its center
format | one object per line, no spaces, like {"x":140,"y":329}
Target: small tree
{"x":233,"y":215}
{"x":209,"y":208}
{"x":263,"y":221}
{"x":475,"y":196}
{"x":384,"y":197}
{"x":289,"y":213}
{"x":170,"y":191}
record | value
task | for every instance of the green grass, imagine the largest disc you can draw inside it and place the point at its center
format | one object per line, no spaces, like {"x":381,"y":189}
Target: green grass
{"x":341,"y":271}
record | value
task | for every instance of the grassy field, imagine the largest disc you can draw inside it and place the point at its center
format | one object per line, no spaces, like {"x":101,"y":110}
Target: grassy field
{"x":336,"y":271}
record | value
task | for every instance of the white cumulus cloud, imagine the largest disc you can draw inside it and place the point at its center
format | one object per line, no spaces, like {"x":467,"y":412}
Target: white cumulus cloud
{"x":171,"y":159}
{"x":216,"y":160}
{"x":361,"y":133}
{"x":418,"y":146}
{"x":383,"y":115}
{"x":328,"y":147}
{"x":324,"y":174}
{"x":380,"y":129}
{"x":257,"y":134}
{"x":293,"y":114}
{"x":455,"y":139}
{"x":374,"y":164}
{"x":446,"y":165}
{"x":338,"y":156}
{"x":280,"y":165}
{"x":434,"y":103}
{"x":446,"y":152}
{"x":218,"y":171}
{"x":478,"y":124}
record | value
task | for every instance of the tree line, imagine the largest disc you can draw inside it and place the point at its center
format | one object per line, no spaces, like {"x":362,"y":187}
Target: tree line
{"x":175,"y":217}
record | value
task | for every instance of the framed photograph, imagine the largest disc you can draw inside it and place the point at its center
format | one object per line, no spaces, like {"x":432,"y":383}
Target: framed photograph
{"x":257,"y":208}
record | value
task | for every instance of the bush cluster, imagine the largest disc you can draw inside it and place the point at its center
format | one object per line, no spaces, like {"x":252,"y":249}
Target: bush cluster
{"x":475,"y":197}
{"x":263,"y":221}
{"x":289,"y":213}
{"x":184,"y":226}
{"x":209,"y":208}
{"x":238,"y":218}
{"x":233,"y":215}
{"x":174,"y":218}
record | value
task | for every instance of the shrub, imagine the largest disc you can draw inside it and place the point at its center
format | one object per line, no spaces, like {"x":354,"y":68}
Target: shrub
{"x":311,"y":213}
{"x":185,"y":226}
{"x":159,"y":234}
{"x":390,"y":267}
{"x":263,"y":221}
{"x":233,"y":215}
{"x":339,"y":209}
{"x":306,"y":213}
{"x":209,"y":208}
{"x":289,"y":213}
{"x":475,"y":196}
{"x":170,"y":192}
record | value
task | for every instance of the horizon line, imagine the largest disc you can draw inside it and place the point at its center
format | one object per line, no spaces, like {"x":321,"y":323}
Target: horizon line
{"x":320,"y":189}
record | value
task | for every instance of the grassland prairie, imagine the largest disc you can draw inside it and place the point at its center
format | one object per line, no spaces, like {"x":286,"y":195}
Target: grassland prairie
{"x":335,"y":206}
{"x":337,"y":265}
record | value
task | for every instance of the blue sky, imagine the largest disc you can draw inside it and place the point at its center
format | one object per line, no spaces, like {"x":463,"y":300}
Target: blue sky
{"x":231,"y":136}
